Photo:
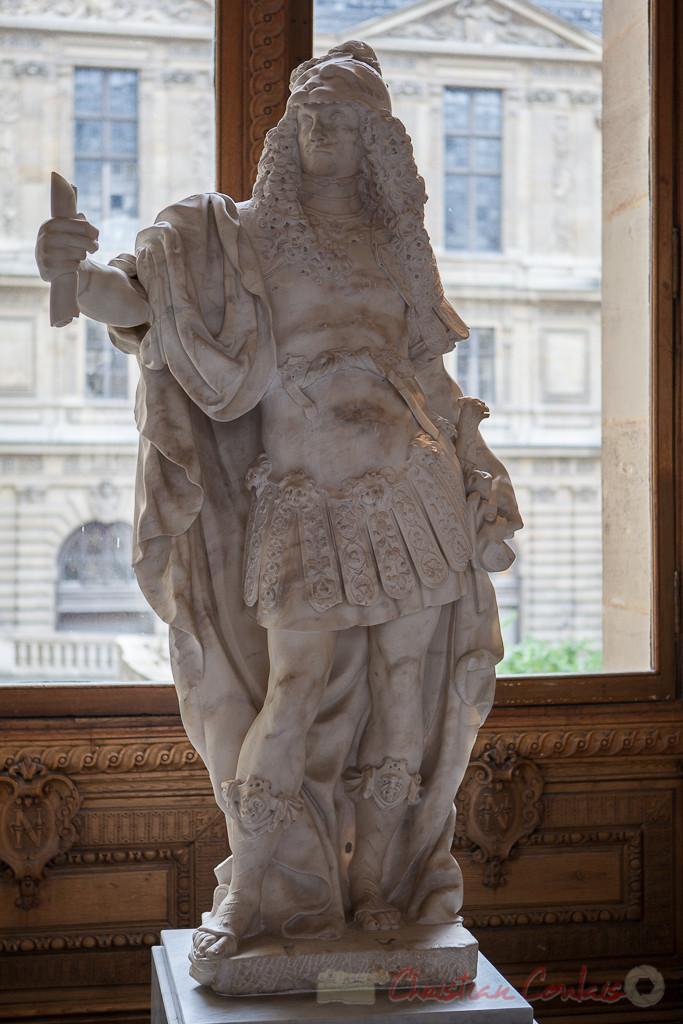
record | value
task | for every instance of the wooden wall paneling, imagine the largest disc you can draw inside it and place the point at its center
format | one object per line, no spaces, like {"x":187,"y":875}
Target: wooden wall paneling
{"x":148,"y":835}
{"x":596,"y":883}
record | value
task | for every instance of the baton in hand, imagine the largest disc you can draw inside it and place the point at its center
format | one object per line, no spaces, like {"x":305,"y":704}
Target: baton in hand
{"x":63,"y":290}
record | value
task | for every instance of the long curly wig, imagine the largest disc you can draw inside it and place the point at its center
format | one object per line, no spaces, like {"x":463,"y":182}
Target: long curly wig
{"x":389,"y":184}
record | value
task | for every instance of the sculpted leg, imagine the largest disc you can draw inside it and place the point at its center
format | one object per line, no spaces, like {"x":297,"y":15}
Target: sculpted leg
{"x":264,"y":798}
{"x":386,"y":781}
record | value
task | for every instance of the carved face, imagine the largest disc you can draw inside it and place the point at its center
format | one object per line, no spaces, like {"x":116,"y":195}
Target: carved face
{"x":390,"y":786}
{"x":252,"y":807}
{"x":329,"y":140}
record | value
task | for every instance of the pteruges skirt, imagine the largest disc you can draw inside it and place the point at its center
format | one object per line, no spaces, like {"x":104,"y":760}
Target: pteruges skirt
{"x":387,"y":544}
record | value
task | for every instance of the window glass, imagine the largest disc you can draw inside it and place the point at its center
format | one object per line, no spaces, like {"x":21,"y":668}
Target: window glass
{"x":472,"y":130}
{"x":508,"y":127}
{"x":473,"y":364}
{"x":96,"y":586}
{"x":125,"y":111}
{"x":106,"y":367}
{"x":505,"y":111}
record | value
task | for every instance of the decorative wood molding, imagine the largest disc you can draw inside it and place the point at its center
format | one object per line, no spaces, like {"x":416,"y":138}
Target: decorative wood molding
{"x":138,"y":827}
{"x":631,"y":909}
{"x":268,"y":73}
{"x":257,"y":46}
{"x":110,"y":757}
{"x":557,"y":742}
{"x":117,"y":936}
{"x":499,"y":804}
{"x":84,"y":940}
{"x":37,"y":812}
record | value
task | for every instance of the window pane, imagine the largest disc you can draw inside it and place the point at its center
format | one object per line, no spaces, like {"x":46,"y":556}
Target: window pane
{"x":515,"y":217}
{"x":88,"y":178}
{"x":487,"y":154}
{"x":88,"y":91}
{"x":457,"y":108}
{"x":475,"y":364}
{"x":89,"y":137}
{"x":123,"y":190}
{"x":123,"y":92}
{"x":68,"y":441}
{"x":456,"y":203}
{"x":478,"y":149}
{"x":487,"y":214}
{"x":457,"y":152}
{"x":106,"y":368}
{"x":123,"y":137}
{"x":486,"y":106}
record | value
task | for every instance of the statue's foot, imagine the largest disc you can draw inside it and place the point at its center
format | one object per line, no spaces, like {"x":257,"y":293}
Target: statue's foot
{"x":372,"y":913}
{"x":221,"y":935}
{"x":209,"y":943}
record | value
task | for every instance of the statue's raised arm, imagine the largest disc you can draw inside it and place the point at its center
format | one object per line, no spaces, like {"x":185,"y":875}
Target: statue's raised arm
{"x":103,"y":293}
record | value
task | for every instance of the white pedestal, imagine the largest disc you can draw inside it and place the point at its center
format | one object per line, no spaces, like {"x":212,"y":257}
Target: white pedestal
{"x":178,"y":999}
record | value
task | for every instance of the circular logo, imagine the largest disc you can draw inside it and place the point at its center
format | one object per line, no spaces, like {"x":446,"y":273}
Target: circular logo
{"x":644,"y":973}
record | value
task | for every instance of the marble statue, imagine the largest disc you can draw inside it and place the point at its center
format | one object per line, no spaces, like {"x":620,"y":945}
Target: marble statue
{"x":316,"y":513}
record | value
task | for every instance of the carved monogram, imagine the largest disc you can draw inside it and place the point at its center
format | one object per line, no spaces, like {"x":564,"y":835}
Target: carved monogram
{"x":37,"y":811}
{"x":498,"y":804}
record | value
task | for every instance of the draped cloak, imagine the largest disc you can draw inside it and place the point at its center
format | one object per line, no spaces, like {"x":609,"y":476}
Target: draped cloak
{"x":206,"y":359}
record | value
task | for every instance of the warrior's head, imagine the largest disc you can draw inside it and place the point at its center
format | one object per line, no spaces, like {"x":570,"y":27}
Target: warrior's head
{"x":339,"y":102}
{"x":338,"y":124}
{"x":346,"y":73}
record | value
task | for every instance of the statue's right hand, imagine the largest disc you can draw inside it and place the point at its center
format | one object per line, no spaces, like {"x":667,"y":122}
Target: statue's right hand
{"x":63,"y":242}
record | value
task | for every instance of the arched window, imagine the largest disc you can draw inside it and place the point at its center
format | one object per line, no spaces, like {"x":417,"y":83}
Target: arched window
{"x":96,"y":587}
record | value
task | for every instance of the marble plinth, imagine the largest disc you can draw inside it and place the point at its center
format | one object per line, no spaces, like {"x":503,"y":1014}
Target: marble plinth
{"x":178,"y":999}
{"x":360,"y":959}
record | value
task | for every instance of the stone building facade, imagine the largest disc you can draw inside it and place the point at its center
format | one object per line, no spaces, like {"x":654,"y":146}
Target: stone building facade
{"x":118,"y":97}
{"x":502,"y":100}
{"x":522,"y":174}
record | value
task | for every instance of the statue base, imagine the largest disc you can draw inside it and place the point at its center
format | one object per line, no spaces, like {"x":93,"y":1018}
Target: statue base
{"x":340,"y":995}
{"x":270,"y":965}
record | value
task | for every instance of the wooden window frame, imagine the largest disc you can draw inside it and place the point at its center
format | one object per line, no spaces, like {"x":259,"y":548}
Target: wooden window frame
{"x":257,"y":44}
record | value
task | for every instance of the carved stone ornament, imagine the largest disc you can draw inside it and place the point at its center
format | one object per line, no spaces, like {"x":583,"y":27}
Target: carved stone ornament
{"x":37,"y":811}
{"x":498,"y":804}
{"x":184,"y":11}
{"x":481,"y":24}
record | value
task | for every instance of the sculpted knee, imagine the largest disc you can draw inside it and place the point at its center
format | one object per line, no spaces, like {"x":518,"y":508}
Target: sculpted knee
{"x":294,"y":697}
{"x":398,"y":675}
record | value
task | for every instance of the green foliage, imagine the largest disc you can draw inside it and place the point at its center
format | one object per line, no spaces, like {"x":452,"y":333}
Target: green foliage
{"x":541,"y":657}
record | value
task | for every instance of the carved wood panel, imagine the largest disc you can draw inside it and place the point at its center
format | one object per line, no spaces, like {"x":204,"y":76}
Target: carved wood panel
{"x":146,"y":838}
{"x":594,"y":883}
{"x":591,"y":882}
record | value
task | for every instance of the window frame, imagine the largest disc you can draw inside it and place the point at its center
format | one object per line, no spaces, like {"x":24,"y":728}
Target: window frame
{"x":107,"y":154}
{"x":251,"y":75}
{"x":470,"y":174}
